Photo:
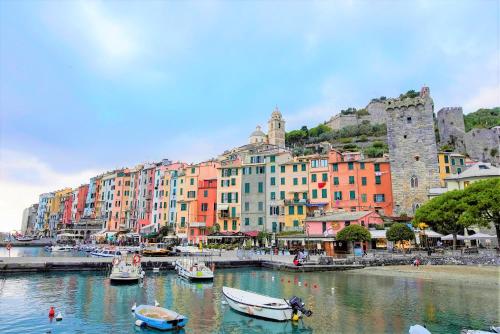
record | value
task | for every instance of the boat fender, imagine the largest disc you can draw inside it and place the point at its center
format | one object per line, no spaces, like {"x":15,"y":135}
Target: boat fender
{"x":133,"y":307}
{"x":52,"y":312}
{"x":139,"y":323}
{"x":116,"y":261}
{"x":156,"y":303}
{"x":59,"y":316}
{"x":137,"y":259}
{"x":295,"y":317}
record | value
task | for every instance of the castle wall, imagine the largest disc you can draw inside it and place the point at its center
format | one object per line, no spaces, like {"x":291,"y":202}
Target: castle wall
{"x":377,"y":112}
{"x":340,"y":121}
{"x":450,"y":122}
{"x":412,"y":151}
{"x":481,"y":142}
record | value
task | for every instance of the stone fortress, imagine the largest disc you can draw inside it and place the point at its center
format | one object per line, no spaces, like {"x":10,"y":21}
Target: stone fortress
{"x":478,"y":144}
{"x":412,"y":150}
{"x":376,"y":115}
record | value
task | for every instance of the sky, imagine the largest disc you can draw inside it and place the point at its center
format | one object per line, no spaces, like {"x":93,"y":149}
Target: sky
{"x":89,"y":86}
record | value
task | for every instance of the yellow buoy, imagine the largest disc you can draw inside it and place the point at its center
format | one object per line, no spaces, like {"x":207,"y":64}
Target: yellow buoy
{"x":295,"y":317}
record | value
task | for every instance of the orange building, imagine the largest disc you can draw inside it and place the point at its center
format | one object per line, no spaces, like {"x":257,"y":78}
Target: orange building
{"x":360,"y":184}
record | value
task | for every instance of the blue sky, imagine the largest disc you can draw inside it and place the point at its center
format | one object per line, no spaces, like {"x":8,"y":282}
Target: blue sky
{"x":90,"y":86}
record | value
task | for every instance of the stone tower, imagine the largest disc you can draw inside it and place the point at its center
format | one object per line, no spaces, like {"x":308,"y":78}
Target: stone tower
{"x":450,"y":122}
{"x":412,"y":150}
{"x":276,"y":132}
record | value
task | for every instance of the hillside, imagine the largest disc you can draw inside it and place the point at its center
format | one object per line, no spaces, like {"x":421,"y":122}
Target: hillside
{"x":482,"y":118}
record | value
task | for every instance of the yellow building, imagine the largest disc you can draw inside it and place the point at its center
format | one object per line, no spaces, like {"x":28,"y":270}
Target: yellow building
{"x":56,"y":209}
{"x":294,"y":190}
{"x":450,"y":163}
{"x":229,"y":195}
{"x":186,"y":199}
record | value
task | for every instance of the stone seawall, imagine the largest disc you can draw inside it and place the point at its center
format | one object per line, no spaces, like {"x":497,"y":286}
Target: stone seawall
{"x":492,"y":260}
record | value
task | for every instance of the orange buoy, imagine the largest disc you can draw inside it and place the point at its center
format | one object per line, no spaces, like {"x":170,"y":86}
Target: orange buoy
{"x":305,"y":283}
{"x":52,"y":312}
{"x":315,"y":286}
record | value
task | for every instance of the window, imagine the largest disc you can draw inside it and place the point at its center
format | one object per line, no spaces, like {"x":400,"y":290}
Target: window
{"x":192,"y":170}
{"x":363,"y":198}
{"x":272,"y":158}
{"x":304,"y":180}
{"x":282,"y":181}
{"x":183,"y":206}
{"x":183,"y":221}
{"x":295,"y":223}
{"x":247,"y":221}
{"x":296,"y":197}
{"x":273,"y":181}
{"x":205,"y":193}
{"x":275,"y":227}
{"x":315,"y":193}
{"x":351,"y":179}
{"x":261,"y":206}
{"x":260,"y":170}
{"x":324,"y":193}
{"x":461,"y":162}
{"x":291,"y":210}
{"x":300,"y":210}
{"x":247,"y":188}
{"x":204,"y":207}
{"x":447,"y":169}
{"x":408,"y":120}
{"x":377,"y":167}
{"x":352,"y":194}
{"x":191,"y":194}
{"x":446,"y":159}
{"x":378,"y":198}
{"x":414,"y":181}
{"x":324,"y":177}
{"x":273,"y":195}
{"x":350,"y":165}
{"x":377,"y":179}
{"x":282,"y":195}
{"x":363,"y":180}
{"x":261,"y":221}
{"x":335,"y":180}
{"x":261,"y":187}
{"x":303,"y":167}
{"x":335,"y":167}
{"x":273,"y":169}
{"x":282,"y":168}
{"x":235,"y":225}
{"x":452,"y":161}
{"x":247,"y":206}
{"x":313,"y":178}
{"x":347,"y":223}
{"x":191,"y":181}
{"x":295,"y":181}
{"x":225,"y":224}
{"x":337,"y":195}
{"x":295,"y":168}
{"x":459,"y":170}
{"x":362,"y":165}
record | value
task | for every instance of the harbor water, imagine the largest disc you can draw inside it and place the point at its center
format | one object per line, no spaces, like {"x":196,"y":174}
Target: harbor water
{"x":342,"y":302}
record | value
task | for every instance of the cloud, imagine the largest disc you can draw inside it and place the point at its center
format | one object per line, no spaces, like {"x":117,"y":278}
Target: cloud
{"x":486,"y":97}
{"x":22,"y":178}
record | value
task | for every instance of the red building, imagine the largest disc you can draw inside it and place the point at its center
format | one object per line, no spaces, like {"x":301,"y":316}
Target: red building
{"x":206,"y":211}
{"x":82,"y":197}
{"x":360,"y":184}
{"x":68,"y":204}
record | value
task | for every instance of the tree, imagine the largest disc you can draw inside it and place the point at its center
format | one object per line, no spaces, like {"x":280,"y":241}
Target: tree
{"x":447,"y":213}
{"x":321,"y":128}
{"x":483,"y":200}
{"x":400,"y":232}
{"x":353,"y":233}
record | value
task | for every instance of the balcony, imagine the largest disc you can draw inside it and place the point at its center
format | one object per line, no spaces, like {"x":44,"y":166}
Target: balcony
{"x":296,"y":202}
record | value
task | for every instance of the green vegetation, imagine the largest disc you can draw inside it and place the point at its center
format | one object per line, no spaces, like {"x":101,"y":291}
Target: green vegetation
{"x":451,"y":212}
{"x":377,"y":150}
{"x":482,"y":118}
{"x":353,"y":233}
{"x":446,"y":148}
{"x":400,"y":232}
{"x":409,"y":94}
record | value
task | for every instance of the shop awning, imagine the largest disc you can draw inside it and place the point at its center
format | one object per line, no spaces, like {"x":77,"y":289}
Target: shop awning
{"x":378,"y":234}
{"x":222,"y":207}
{"x":316,"y":204}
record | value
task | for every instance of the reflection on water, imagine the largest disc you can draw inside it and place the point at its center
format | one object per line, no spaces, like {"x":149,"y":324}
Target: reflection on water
{"x":357,"y":304}
{"x":36,"y":251}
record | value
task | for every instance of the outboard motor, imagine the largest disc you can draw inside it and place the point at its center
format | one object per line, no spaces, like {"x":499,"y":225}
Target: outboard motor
{"x":297,"y":305}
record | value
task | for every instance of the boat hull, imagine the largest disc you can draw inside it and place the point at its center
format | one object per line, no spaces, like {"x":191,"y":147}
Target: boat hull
{"x":259,"y":311}
{"x":179,"y":322}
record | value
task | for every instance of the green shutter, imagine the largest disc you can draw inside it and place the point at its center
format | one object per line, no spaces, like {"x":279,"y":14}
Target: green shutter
{"x":315,"y":193}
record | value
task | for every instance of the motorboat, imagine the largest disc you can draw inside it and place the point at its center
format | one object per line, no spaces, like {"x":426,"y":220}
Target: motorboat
{"x":159,"y":317}
{"x":255,"y":305}
{"x":157,"y":250}
{"x":124,"y":271}
{"x":59,"y":248}
{"x":193,"y":270}
{"x":24,"y":238}
{"x":106,"y":253}
{"x":493,"y":330}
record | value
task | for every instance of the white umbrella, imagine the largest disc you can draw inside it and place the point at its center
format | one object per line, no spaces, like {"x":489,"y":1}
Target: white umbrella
{"x":478,"y":236}
{"x":450,"y":237}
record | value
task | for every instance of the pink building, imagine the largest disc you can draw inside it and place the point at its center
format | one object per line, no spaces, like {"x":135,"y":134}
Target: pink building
{"x":82,"y":197}
{"x":328,"y":226}
{"x":68,"y":204}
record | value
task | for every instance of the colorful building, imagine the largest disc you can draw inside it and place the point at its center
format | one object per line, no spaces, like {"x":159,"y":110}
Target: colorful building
{"x":360,"y":184}
{"x":319,"y":181}
{"x":229,"y":189}
{"x":294,"y":192}
{"x":81,"y":202}
{"x":450,"y":163}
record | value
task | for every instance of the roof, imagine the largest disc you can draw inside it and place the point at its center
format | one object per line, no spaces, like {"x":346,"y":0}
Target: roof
{"x":480,"y":169}
{"x":437,"y":191}
{"x":340,"y":216}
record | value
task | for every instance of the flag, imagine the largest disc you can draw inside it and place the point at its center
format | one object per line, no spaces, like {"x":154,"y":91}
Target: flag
{"x":321,"y":185}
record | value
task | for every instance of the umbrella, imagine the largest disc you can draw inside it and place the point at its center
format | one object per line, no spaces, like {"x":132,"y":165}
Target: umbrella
{"x":450,"y":237}
{"x":418,"y":329}
{"x":478,"y":236}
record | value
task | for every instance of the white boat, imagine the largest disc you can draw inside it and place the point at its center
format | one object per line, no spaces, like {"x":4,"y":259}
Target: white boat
{"x":60,"y":248}
{"x":106,"y":253}
{"x":24,"y":238}
{"x":253,"y":304}
{"x":125,"y":271}
{"x":193,"y":270}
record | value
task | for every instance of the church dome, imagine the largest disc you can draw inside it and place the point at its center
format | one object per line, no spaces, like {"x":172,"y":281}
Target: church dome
{"x":258,"y":136}
{"x":258,"y":132}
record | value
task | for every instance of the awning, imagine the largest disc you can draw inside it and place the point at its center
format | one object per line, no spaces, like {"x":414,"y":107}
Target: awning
{"x":478,"y":236}
{"x":431,"y":234}
{"x":197,"y":224}
{"x":378,"y":234}
{"x":147,"y":228}
{"x":450,"y":237}
{"x":182,"y":235}
{"x":222,"y":207}
{"x":316,"y":204}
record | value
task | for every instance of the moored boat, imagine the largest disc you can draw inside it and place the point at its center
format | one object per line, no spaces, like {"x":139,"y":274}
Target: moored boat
{"x":253,"y":304}
{"x":106,"y":253}
{"x":159,"y":317}
{"x":125,"y":271}
{"x":193,"y":270}
{"x":60,"y":248}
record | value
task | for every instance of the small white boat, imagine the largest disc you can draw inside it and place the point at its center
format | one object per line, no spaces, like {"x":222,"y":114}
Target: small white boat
{"x":255,"y":305}
{"x":60,"y":248}
{"x":25,"y":238}
{"x":124,"y":271}
{"x":159,"y":317}
{"x":193,"y":270}
{"x":106,"y":253}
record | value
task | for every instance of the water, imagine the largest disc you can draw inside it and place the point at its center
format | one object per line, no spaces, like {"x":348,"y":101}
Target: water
{"x":359,"y":304}
{"x":36,"y":251}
